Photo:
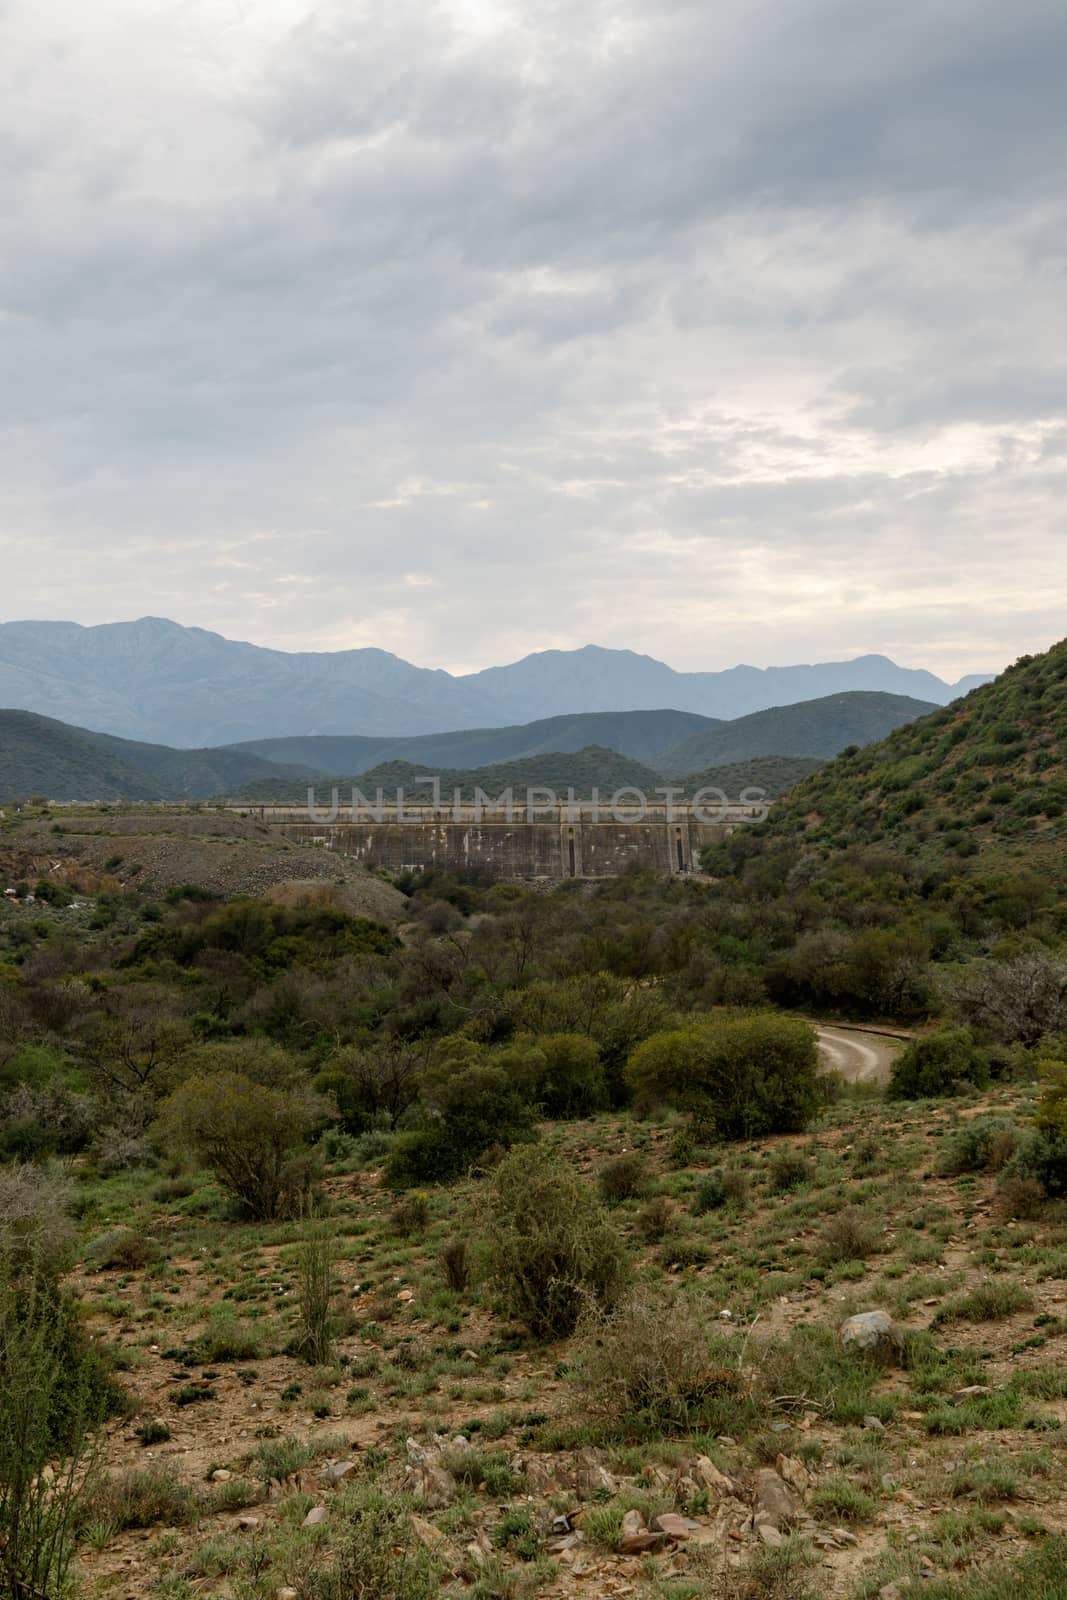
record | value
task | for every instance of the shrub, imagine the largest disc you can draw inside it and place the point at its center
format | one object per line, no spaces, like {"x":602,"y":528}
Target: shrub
{"x":150,"y":1433}
{"x":376,"y":1558}
{"x":851,"y":1235}
{"x":55,"y":1393}
{"x":227,"y":1338}
{"x":410,"y":1215}
{"x":842,"y":1501}
{"x":1021,"y":1199}
{"x":945,"y":1062}
{"x":314,"y":1335}
{"x":756,"y":1075}
{"x":809,"y":1363}
{"x":647,"y":1364}
{"x":545,"y":1244}
{"x":124,"y":1249}
{"x":987,"y":1302}
{"x":656,"y":1219}
{"x":984,"y":1145}
{"x":467,"y":1110}
{"x":1052,"y":1105}
{"x":142,"y":1498}
{"x":1042,"y":1157}
{"x":253,"y":1138}
{"x":560,"y":1073}
{"x":721,"y":1187}
{"x":789,"y":1169}
{"x":456,"y":1264}
{"x":622,"y":1178}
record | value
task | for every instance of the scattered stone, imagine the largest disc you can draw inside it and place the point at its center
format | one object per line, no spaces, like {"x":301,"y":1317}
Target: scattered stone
{"x":889,"y":1591}
{"x":635,"y":1539}
{"x":843,"y":1537}
{"x":285,"y":1593}
{"x":770,"y":1535}
{"x":427,"y":1534}
{"x":316,"y":1516}
{"x":220,"y":1475}
{"x":432,"y":1485}
{"x":875,"y":1424}
{"x":338,"y":1472}
{"x":675,"y":1527}
{"x":793,"y":1472}
{"x":875,"y":1334}
{"x":704,"y":1470}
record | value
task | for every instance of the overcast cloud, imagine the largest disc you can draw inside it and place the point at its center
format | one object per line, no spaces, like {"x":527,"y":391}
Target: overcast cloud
{"x":730,"y":330}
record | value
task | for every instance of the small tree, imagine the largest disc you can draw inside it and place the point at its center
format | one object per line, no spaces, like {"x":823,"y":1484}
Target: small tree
{"x":546,"y":1247}
{"x":253,"y":1139}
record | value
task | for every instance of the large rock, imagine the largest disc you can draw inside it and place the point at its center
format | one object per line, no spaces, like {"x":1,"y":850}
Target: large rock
{"x":773,"y":1504}
{"x":431,"y":1485}
{"x":874,"y":1334}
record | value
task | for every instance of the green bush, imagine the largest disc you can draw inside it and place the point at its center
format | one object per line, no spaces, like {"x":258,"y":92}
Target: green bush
{"x":754,"y":1075}
{"x":647,"y":1365}
{"x":253,"y":1138}
{"x":984,"y":1145}
{"x":546,"y":1247}
{"x":946,"y":1062}
{"x":1042,"y":1157}
{"x":559,"y":1073}
{"x":625,"y":1177}
{"x":468,"y":1108}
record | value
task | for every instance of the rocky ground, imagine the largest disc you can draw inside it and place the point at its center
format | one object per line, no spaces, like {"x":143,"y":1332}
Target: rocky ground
{"x":932,"y":1465}
{"x":155,"y":850}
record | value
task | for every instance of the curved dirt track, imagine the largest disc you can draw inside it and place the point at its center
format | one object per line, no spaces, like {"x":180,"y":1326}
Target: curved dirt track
{"x":859,"y":1057}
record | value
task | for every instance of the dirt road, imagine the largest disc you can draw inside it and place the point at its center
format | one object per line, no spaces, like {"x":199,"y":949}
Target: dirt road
{"x":859,"y":1057}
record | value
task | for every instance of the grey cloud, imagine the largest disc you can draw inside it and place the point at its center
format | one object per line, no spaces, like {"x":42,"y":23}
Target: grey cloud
{"x":572,"y":323}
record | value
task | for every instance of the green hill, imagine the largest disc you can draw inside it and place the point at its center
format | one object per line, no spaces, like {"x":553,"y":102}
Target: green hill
{"x":775,"y":775}
{"x":41,"y":756}
{"x":812,"y":728}
{"x":642,"y":735}
{"x":559,"y":770}
{"x":984,"y":777}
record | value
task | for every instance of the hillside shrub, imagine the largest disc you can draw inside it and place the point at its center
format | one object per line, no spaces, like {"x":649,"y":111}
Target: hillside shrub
{"x":1041,"y":1156}
{"x":984,"y":1145}
{"x":254,"y":1139}
{"x":624,"y":1177}
{"x":754,"y":1076}
{"x":647,"y":1366}
{"x":944,"y":1063}
{"x":466,"y":1111}
{"x":55,"y":1391}
{"x":376,"y":1556}
{"x":546,"y":1247}
{"x":559,"y":1073}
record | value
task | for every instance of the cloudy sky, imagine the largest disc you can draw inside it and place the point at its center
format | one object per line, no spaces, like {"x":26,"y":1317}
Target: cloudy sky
{"x":720,"y":329}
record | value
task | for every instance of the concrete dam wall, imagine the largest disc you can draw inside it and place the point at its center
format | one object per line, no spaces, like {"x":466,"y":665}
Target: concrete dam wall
{"x":565,"y":845}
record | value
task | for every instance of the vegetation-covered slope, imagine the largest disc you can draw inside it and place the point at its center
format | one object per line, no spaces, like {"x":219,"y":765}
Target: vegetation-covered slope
{"x":643,"y":735}
{"x":41,"y":756}
{"x":985,"y":776}
{"x":811,"y":728}
{"x":560,"y":770}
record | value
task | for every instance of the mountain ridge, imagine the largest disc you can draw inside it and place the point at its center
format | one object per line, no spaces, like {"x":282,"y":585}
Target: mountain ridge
{"x":158,"y":681}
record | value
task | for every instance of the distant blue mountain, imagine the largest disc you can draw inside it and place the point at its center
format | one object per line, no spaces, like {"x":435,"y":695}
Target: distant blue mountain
{"x":155,"y":680}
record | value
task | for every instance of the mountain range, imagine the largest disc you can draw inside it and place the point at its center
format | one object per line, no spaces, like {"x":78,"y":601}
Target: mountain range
{"x":772,"y":749}
{"x":156,"y":681}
